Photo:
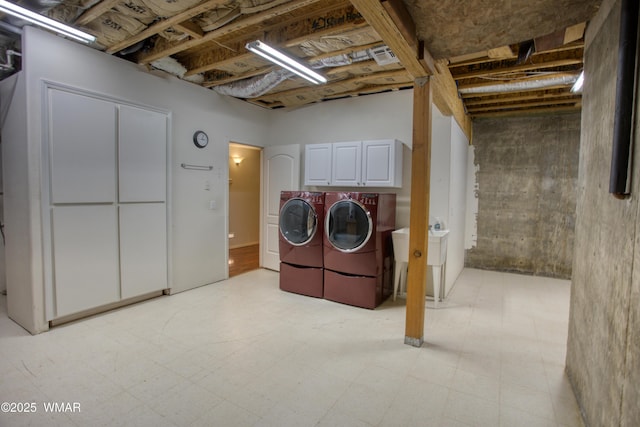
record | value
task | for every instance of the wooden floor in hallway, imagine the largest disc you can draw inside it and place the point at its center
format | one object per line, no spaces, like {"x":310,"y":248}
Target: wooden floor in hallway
{"x":244,"y":259}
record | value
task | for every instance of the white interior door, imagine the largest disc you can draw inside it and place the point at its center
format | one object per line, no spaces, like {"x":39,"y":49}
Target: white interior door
{"x":281,"y":171}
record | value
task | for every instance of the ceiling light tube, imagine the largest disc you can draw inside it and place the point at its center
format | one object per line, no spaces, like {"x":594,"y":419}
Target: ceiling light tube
{"x":45,"y":22}
{"x":285,"y":61}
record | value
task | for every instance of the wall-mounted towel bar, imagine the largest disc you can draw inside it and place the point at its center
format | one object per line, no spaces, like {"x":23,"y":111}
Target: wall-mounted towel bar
{"x":196,"y":167}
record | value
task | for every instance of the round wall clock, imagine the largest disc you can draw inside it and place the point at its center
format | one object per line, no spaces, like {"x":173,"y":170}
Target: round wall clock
{"x":200,"y":139}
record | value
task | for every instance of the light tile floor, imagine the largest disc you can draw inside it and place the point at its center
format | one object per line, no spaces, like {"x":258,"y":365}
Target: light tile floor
{"x":243,"y":353}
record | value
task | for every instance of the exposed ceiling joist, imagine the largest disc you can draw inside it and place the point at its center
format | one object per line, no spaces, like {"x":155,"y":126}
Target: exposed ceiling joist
{"x":354,"y":44}
{"x":168,"y":48}
{"x":378,"y":17}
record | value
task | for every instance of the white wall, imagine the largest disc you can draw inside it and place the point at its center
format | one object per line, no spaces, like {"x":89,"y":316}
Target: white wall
{"x":457,"y":205}
{"x":198,"y":255}
{"x":440,"y":166}
{"x":19,"y":225}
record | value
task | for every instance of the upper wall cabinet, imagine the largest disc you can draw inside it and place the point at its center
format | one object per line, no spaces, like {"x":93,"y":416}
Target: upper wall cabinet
{"x":382,"y":163}
{"x":375,"y":163}
{"x":317,"y":170}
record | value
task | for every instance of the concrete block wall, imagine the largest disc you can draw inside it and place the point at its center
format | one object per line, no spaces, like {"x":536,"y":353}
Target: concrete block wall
{"x":527,"y":170}
{"x":603,"y":349}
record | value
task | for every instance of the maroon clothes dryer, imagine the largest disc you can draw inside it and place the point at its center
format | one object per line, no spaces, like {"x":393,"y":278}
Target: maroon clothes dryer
{"x":300,"y":244}
{"x":358,"y":253}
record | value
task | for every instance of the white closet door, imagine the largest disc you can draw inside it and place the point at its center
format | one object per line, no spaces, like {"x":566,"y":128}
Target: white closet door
{"x":82,"y":149}
{"x":85,"y":244}
{"x":280,"y":171}
{"x":142,"y":143}
{"x":143,"y":248}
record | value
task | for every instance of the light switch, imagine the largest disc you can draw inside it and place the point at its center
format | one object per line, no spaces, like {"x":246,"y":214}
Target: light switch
{"x":212,"y":204}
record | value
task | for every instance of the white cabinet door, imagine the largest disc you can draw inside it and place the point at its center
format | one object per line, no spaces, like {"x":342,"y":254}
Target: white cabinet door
{"x":86,"y":267}
{"x":346,"y":164}
{"x":82,"y":148}
{"x":143,"y":248}
{"x":382,"y":163}
{"x":317,"y":164}
{"x":142,"y":155}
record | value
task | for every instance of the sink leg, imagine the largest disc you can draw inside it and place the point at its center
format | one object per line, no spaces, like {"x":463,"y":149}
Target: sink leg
{"x":435,"y":273}
{"x":396,"y":279}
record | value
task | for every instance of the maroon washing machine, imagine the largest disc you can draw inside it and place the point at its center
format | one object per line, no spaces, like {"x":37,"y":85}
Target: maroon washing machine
{"x":300,"y":223}
{"x":358,"y":253}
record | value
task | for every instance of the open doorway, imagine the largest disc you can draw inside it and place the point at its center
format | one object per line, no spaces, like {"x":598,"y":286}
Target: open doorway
{"x":244,"y":208}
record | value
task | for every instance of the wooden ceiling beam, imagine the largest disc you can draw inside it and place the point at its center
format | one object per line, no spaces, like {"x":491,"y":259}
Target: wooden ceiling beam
{"x":333,"y":71}
{"x":529,"y":111}
{"x":395,"y":28}
{"x":508,"y":97}
{"x":191,"y":28}
{"x":447,"y":99}
{"x":301,"y":90}
{"x":482,"y":57}
{"x":518,"y":68}
{"x":402,"y":18}
{"x":378,"y":17}
{"x":164,"y":24}
{"x":368,"y":90}
{"x":208,"y":59}
{"x":95,"y":11}
{"x":338,"y":29}
{"x":548,"y":102}
{"x":220,"y":63}
{"x":383,"y":75}
{"x":346,"y":51}
{"x":166,"y":48}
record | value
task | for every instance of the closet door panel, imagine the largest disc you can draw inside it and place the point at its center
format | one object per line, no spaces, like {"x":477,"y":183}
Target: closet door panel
{"x":86,"y":265}
{"x":143,"y":248}
{"x":82,"y":148}
{"x":142,"y":148}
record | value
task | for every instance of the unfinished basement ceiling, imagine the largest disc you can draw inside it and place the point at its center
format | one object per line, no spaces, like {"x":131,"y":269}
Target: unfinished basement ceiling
{"x":498,"y":51}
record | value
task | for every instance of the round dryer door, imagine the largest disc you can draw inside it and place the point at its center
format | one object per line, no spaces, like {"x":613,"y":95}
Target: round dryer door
{"x":348,"y":225}
{"x":298,"y":222}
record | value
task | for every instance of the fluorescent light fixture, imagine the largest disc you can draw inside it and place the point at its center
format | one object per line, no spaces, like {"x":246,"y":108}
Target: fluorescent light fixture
{"x":577,"y":86}
{"x":284,"y":61}
{"x":45,"y":22}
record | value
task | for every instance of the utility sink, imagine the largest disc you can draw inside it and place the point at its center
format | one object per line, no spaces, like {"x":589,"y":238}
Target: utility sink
{"x":437,"y":247}
{"x":437,"y":253}
{"x":436,"y":257}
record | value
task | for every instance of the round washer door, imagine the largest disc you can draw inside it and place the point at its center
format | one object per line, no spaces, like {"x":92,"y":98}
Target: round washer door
{"x":298,"y":222}
{"x":348,"y":225}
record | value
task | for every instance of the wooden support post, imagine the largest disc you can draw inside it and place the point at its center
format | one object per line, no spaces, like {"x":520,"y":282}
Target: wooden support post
{"x":419,"y":212}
